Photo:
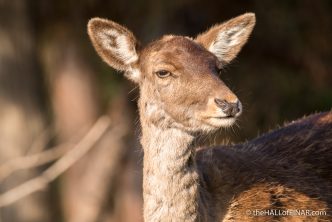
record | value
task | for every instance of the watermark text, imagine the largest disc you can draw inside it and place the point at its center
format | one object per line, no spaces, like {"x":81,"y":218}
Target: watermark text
{"x":285,"y":212}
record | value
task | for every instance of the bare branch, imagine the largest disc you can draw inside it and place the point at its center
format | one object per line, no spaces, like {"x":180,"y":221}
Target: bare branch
{"x":60,"y":166}
{"x":30,"y":161}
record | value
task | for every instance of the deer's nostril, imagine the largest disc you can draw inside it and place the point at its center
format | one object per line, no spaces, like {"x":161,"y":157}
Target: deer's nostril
{"x":230,"y":109}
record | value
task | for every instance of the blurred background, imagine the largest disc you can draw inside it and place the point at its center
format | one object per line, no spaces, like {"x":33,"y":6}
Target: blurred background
{"x":53,"y":87}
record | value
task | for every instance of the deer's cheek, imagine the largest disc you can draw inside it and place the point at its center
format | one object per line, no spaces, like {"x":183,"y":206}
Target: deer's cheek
{"x":163,"y":83}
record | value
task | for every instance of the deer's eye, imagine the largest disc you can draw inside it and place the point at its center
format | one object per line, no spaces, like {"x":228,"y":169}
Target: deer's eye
{"x":163,"y":73}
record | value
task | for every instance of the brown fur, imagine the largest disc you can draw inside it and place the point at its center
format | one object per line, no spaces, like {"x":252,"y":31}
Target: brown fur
{"x":288,"y":169}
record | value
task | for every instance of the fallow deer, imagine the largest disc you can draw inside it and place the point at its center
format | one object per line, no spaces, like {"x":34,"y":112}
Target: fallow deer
{"x":281,"y":176}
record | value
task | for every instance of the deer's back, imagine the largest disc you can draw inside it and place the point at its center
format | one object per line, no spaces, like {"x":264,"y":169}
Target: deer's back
{"x":285,"y":170}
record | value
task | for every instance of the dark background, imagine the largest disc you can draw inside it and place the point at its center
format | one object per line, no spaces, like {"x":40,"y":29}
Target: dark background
{"x":53,"y":87}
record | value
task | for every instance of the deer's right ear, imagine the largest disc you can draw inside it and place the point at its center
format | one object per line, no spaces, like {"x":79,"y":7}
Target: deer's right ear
{"x":115,"y":44}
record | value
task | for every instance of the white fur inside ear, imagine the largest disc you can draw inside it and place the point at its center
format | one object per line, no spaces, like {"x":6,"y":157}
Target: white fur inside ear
{"x":119,"y":45}
{"x":225,"y":40}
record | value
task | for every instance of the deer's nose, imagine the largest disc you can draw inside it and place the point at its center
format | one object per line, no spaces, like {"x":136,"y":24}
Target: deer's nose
{"x":230,"y":109}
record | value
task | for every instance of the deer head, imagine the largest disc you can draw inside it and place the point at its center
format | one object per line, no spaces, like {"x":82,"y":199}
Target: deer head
{"x":178,"y":76}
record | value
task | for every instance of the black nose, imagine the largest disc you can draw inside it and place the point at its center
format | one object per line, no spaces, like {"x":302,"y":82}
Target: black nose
{"x":230,"y":109}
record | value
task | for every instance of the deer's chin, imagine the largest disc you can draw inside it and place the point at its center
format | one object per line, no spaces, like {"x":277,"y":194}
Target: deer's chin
{"x":219,"y":122}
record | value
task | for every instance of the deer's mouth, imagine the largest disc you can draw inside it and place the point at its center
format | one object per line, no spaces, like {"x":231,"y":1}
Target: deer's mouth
{"x":223,"y":117}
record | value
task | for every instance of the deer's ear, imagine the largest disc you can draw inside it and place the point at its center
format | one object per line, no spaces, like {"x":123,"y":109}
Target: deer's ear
{"x":115,"y":44}
{"x":226,"y":40}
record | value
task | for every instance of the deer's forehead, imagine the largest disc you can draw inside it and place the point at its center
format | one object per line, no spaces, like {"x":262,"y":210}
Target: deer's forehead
{"x":180,"y":50}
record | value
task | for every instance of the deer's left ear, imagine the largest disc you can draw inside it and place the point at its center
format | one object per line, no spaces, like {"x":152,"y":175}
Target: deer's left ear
{"x":226,"y":40}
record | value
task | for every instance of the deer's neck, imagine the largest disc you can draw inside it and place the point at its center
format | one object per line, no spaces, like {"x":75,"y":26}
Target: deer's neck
{"x":170,"y":184}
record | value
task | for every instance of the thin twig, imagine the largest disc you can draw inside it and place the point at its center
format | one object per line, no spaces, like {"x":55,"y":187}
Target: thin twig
{"x":60,"y":166}
{"x":30,"y":161}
